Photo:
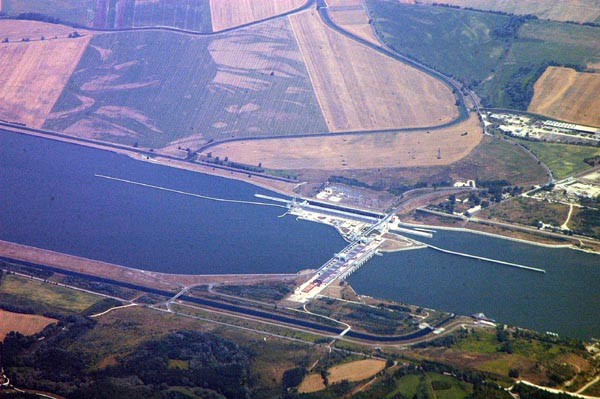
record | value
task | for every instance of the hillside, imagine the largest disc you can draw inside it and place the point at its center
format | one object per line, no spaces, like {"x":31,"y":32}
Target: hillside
{"x":499,"y":56}
{"x":360,"y":88}
{"x":568,"y":95}
{"x":559,"y":10}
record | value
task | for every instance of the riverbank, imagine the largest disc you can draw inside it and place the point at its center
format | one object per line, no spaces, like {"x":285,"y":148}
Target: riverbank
{"x":501,"y":230}
{"x":163,"y":281}
{"x":289,"y":189}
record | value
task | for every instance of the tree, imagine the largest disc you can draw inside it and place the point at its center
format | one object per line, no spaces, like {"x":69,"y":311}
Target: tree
{"x":293,"y":377}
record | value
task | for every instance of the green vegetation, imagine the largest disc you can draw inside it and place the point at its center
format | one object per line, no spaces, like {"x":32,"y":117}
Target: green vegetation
{"x":528,"y":211}
{"x":133,"y":88}
{"x":586,"y":222}
{"x":27,"y":292}
{"x":71,"y":11}
{"x":500,"y":56}
{"x":457,"y":42}
{"x":213,"y":363}
{"x":190,"y":15}
{"x":563,"y":159}
{"x":261,"y":292}
{"x":382,"y":319}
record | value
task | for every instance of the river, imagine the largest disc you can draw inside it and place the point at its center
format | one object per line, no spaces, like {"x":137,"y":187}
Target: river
{"x":51,"y":198}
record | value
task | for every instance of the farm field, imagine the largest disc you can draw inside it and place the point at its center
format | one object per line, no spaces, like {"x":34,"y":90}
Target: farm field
{"x":568,"y":95}
{"x":476,"y":48}
{"x":563,"y":159}
{"x":80,"y":12}
{"x":559,"y":10}
{"x":33,"y":74}
{"x":229,"y":13}
{"x":355,"y":371}
{"x":184,"y":14}
{"x":65,"y":299}
{"x":311,"y":383}
{"x":26,"y":324}
{"x":359,"y":88}
{"x":191,"y":15}
{"x":365,"y":151}
{"x":132,"y":88}
{"x":352,"y":16}
{"x":352,"y":371}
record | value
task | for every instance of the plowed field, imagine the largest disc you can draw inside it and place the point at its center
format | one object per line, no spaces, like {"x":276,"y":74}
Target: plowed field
{"x":568,"y":95}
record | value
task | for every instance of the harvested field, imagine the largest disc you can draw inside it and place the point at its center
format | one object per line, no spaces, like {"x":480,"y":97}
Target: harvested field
{"x":359,"y":88}
{"x":353,"y":151}
{"x":33,"y":74}
{"x":560,"y":10}
{"x":26,"y":324}
{"x":355,"y":371}
{"x":352,"y":16}
{"x":568,"y":95}
{"x":311,"y":383}
{"x":132,"y":88}
{"x":229,"y":13}
{"x":16,"y":30}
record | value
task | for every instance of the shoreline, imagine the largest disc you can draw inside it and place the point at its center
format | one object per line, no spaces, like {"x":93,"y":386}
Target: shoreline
{"x":279,"y":187}
{"x":150,"y":279}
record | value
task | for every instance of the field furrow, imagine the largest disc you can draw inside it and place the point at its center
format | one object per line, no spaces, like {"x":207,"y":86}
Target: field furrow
{"x":229,"y":13}
{"x":360,"y":88}
{"x":568,"y":95}
{"x":33,"y":73}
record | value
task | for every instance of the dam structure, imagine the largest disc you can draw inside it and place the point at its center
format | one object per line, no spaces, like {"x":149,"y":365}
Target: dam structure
{"x":367,"y":233}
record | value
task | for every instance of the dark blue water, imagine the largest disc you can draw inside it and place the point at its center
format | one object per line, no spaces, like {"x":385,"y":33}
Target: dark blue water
{"x":565,"y":300}
{"x":49,"y":198}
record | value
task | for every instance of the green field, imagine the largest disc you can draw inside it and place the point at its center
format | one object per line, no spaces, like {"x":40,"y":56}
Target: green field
{"x":191,"y":15}
{"x":46,"y":293}
{"x":528,"y":211}
{"x":79,"y":12}
{"x":187,"y":14}
{"x":449,"y":387}
{"x":153,"y":88}
{"x":500,"y":56}
{"x":563,"y":159}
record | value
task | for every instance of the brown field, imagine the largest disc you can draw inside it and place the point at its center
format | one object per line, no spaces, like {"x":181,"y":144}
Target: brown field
{"x":560,"y":10}
{"x":353,"y":371}
{"x":15,"y":30}
{"x":359,"y":88}
{"x":229,"y":13}
{"x":26,"y":324}
{"x":352,"y":16}
{"x":311,"y":383}
{"x":568,"y":95}
{"x":33,"y":74}
{"x":353,"y":151}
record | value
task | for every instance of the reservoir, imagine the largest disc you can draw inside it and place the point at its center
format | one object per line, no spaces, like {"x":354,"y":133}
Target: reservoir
{"x":50,"y":197}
